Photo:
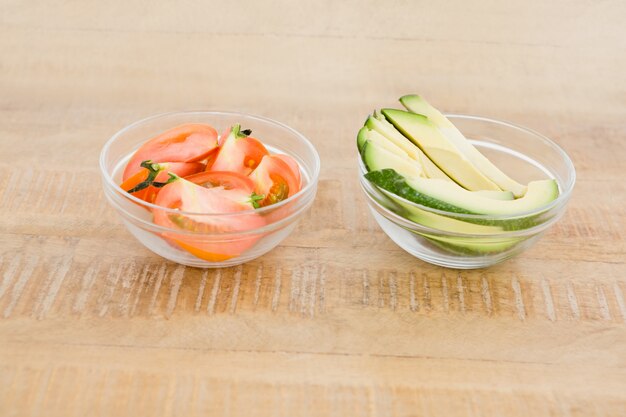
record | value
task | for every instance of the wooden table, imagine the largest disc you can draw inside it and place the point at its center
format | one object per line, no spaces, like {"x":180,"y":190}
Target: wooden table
{"x":337,"y":321}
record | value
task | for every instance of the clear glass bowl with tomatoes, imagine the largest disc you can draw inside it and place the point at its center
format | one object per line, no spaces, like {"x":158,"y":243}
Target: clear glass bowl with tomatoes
{"x":205,"y":199}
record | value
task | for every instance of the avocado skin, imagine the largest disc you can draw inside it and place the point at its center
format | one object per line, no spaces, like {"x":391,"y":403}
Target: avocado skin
{"x":460,"y":245}
{"x":395,"y":183}
{"x":361,"y":138}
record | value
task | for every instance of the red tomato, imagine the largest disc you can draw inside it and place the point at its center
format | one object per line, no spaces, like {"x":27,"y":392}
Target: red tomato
{"x":224,"y":135}
{"x":182,"y":169}
{"x":228,"y":180}
{"x":190,"y":142}
{"x":295,"y":168}
{"x":211,"y":158}
{"x":190,"y":197}
{"x":238,"y":152}
{"x":275,"y":180}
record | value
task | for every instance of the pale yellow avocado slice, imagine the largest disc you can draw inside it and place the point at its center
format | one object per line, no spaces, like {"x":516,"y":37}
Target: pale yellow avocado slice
{"x":375,"y":138}
{"x":378,"y":152}
{"x":378,"y":124}
{"x":496,"y":195}
{"x":439,"y":222}
{"x":379,"y":140}
{"x":417,"y":104}
{"x":425,"y":134}
{"x":387,"y":159}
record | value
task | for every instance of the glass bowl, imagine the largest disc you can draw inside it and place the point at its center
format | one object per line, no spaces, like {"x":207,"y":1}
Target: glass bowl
{"x":467,"y":241}
{"x":220,"y":249}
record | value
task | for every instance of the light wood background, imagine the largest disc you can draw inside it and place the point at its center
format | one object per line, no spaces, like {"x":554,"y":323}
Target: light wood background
{"x":337,"y":321}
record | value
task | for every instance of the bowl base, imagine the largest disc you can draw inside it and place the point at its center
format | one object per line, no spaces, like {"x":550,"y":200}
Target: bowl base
{"x":433,"y":252}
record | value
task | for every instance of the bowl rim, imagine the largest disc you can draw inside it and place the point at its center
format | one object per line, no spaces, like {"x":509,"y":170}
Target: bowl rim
{"x":311,"y":185}
{"x":562,"y":198}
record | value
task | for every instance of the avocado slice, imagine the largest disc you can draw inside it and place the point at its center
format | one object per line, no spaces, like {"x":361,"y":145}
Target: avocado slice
{"x":448,"y":197}
{"x":418,"y":105}
{"x":540,"y":193}
{"x":375,"y":137}
{"x":378,"y":123}
{"x":438,"y":221}
{"x":394,"y":157}
{"x":361,"y":138}
{"x":425,"y":134}
{"x":497,"y":195}
{"x":376,"y":157}
{"x":474,"y":244}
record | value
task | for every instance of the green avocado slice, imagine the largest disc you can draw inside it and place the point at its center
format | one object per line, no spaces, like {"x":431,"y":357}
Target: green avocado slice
{"x":418,"y":105}
{"x":378,"y":153}
{"x":448,"y":197}
{"x":361,"y":138}
{"x":425,"y":134}
{"x":379,"y":124}
{"x":376,"y":157}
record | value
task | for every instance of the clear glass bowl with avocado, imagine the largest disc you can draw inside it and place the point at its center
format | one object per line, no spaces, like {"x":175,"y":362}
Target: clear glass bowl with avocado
{"x":460,"y":191}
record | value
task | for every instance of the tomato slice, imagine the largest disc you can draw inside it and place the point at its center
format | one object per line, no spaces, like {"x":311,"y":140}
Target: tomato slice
{"x":211,"y":158}
{"x":238,"y":152}
{"x":274,"y":180}
{"x":182,"y":169}
{"x":190,"y":142}
{"x":227,"y":180}
{"x":191,"y":197}
{"x":295,"y":168}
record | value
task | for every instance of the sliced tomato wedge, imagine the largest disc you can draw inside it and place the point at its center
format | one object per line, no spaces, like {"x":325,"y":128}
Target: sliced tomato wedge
{"x":160,"y":173}
{"x":274,"y":180}
{"x":211,"y":158}
{"x":213,"y":246}
{"x":295,"y":168}
{"x":227,"y":180}
{"x":238,"y":152}
{"x":190,"y":142}
{"x":224,"y":135}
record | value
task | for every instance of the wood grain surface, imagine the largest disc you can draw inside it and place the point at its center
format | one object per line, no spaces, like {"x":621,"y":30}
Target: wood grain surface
{"x":336,"y":321}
